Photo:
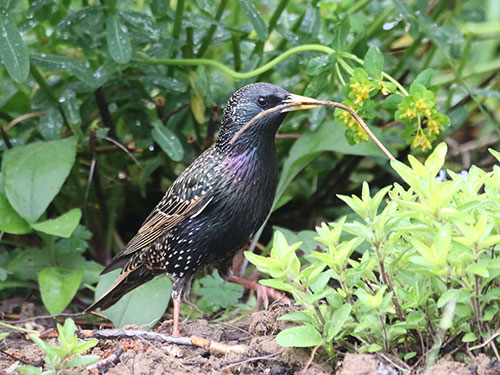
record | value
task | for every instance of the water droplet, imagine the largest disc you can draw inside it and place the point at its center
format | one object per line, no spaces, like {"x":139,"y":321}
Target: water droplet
{"x":151,"y":148}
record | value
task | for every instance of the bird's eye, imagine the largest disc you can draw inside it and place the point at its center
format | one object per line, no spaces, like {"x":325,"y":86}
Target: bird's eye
{"x":262,"y":101}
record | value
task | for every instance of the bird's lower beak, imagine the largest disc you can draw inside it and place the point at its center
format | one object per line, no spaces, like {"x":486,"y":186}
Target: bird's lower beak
{"x":300,"y":102}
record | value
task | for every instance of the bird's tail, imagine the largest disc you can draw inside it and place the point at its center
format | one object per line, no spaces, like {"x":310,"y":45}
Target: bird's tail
{"x":125,"y":282}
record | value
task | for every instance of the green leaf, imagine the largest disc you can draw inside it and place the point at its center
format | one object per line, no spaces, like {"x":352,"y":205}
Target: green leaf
{"x":58,"y":287}
{"x":143,"y":306}
{"x":34,"y":174}
{"x":82,"y":360}
{"x":167,"y":140}
{"x":64,"y":64}
{"x":328,"y":137}
{"x":374,"y":62}
{"x":469,"y":337}
{"x":478,"y":269}
{"x":299,"y":337}
{"x":51,"y":124}
{"x":255,"y":19}
{"x":63,"y":226}
{"x":318,"y":65}
{"x":10,"y":221}
{"x":119,"y":46}
{"x":27,"y":264}
{"x":13,"y":52}
{"x":339,"y":318}
{"x":425,"y":77}
{"x":217,"y":292}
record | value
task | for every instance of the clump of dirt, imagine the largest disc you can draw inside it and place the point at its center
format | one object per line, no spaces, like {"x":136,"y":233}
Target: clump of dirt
{"x":265,"y":322}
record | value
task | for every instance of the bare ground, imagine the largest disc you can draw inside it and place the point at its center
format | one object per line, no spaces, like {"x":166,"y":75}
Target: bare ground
{"x":264,"y":355}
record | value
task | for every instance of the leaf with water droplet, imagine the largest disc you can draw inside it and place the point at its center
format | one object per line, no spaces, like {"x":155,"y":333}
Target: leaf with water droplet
{"x":64,"y":64}
{"x":118,"y":40}
{"x":167,"y":140}
{"x":13,"y":52}
{"x":255,"y":19}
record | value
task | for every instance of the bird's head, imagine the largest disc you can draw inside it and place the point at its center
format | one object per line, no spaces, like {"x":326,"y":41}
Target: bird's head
{"x":248,"y":102}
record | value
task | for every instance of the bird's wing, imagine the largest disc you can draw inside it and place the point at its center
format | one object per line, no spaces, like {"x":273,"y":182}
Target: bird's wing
{"x":171,"y":210}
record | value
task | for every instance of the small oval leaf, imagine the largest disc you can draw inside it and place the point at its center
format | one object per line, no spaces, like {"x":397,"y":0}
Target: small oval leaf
{"x":299,"y":337}
{"x":13,"y":52}
{"x":119,"y":45}
{"x":168,"y":141}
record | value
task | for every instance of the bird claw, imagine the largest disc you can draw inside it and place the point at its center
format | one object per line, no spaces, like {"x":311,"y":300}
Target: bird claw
{"x":263,"y":293}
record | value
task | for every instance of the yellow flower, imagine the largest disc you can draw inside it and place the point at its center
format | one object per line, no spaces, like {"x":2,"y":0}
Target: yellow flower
{"x":421,"y":142}
{"x":410,"y":113}
{"x":420,"y":105}
{"x":432,"y":127}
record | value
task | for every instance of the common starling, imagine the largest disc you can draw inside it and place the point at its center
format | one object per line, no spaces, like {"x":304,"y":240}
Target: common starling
{"x":215,"y":205}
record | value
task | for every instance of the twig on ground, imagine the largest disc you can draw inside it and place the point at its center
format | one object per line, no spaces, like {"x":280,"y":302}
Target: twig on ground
{"x":13,"y":357}
{"x":245,"y":360}
{"x":490,"y":339}
{"x":309,"y":361}
{"x":107,"y":362}
{"x":212,"y":346}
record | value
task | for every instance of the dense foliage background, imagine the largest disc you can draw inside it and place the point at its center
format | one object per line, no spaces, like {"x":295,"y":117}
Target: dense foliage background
{"x":104,"y":103}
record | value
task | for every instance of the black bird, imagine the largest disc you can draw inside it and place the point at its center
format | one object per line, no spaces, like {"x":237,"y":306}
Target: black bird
{"x":215,"y":205}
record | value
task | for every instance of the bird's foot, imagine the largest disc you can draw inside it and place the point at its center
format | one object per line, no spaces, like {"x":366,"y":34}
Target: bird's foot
{"x":263,"y":293}
{"x":175,"y":325}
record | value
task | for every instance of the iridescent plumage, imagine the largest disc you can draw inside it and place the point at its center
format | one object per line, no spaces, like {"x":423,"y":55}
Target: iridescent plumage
{"x":214,"y":206}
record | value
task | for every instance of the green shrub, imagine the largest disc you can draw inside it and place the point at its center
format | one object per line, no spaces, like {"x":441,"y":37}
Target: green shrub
{"x":386,"y":277}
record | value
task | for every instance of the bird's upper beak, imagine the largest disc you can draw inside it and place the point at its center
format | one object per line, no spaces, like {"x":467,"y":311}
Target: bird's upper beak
{"x":300,"y":102}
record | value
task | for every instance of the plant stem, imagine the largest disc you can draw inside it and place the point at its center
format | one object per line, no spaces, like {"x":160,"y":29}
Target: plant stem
{"x":179,"y":11}
{"x":231,"y":72}
{"x":211,"y":31}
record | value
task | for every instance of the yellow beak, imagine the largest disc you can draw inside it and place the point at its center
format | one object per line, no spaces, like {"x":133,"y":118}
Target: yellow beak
{"x":301,"y":102}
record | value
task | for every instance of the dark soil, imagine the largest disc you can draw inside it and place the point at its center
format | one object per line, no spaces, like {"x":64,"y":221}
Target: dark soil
{"x":264,"y":355}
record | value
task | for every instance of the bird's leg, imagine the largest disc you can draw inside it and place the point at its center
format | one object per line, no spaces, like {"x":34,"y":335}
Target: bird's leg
{"x":263,"y":292}
{"x":177,"y":308}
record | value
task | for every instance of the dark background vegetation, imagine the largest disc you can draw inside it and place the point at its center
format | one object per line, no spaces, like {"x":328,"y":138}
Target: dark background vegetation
{"x":134,"y":83}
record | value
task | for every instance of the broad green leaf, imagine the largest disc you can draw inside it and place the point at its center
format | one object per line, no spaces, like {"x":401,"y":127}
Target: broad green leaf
{"x":218,"y":292}
{"x":340,"y":317}
{"x":13,"y":52}
{"x":27,"y":264}
{"x":143,"y":306}
{"x":10,"y":221}
{"x":82,"y":360}
{"x":34,"y":174}
{"x":167,"y":140}
{"x":64,"y":64}
{"x":71,"y":109}
{"x":58,"y":287}
{"x":119,"y":46}
{"x":478,"y":269}
{"x":63,"y":226}
{"x":255,"y":19}
{"x":374,"y":62}
{"x":328,"y":137}
{"x":299,"y":337}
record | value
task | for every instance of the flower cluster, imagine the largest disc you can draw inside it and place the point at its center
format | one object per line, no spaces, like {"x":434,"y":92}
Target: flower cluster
{"x":419,"y":113}
{"x":359,"y":92}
